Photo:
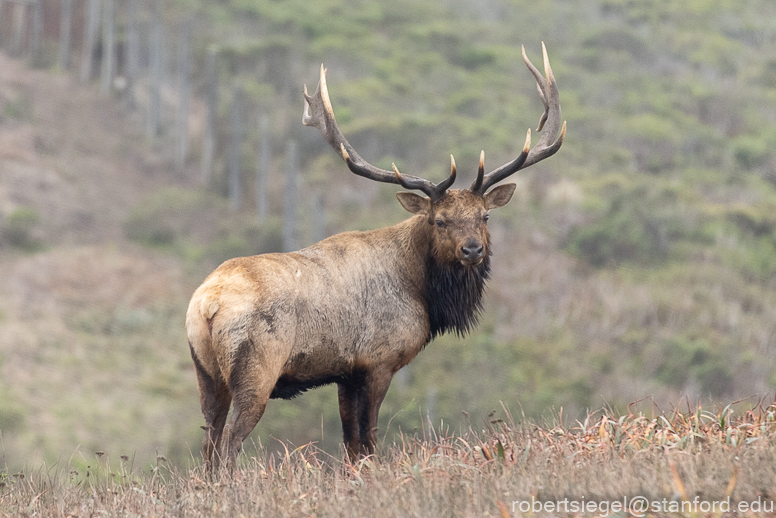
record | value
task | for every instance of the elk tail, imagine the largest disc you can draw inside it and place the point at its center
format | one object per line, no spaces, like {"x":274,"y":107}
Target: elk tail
{"x":199,"y":328}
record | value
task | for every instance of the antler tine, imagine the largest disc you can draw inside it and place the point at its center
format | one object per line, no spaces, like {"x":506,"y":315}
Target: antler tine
{"x":551,"y":117}
{"x":480,"y":173}
{"x":548,"y":91}
{"x":482,"y":184}
{"x":318,"y":113}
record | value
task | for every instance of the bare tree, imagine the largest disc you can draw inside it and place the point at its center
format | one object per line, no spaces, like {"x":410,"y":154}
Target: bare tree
{"x":211,"y":113}
{"x":90,"y":40}
{"x":65,"y":25}
{"x":37,"y":32}
{"x":108,"y":47}
{"x":156,"y":61}
{"x":2,"y":35}
{"x":262,"y":169}
{"x":132,"y":69}
{"x":290,"y":201}
{"x":235,"y":150}
{"x":318,"y":213}
{"x":19,"y":18}
{"x":184,"y":95}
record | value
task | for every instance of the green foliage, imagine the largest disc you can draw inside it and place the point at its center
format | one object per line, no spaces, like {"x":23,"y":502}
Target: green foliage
{"x":639,"y":225}
{"x":162,"y":218}
{"x":690,"y":360}
{"x":20,"y":229}
{"x":750,"y":152}
{"x":12,"y":414}
{"x":248,"y":239}
{"x":19,"y":107}
{"x":758,"y":220}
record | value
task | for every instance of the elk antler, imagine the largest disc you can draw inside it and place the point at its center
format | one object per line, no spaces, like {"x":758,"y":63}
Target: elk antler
{"x":548,"y":91}
{"x":318,"y":113}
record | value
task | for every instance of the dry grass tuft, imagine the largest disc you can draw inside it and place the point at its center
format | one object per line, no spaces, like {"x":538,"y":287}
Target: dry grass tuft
{"x":677,"y":457}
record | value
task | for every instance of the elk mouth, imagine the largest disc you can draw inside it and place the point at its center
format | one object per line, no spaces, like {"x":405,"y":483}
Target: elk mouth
{"x":471,"y":253}
{"x":467,"y":262}
{"x":471,"y":261}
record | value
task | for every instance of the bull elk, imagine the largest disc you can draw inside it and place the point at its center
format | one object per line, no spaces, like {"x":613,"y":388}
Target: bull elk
{"x":356,"y":307}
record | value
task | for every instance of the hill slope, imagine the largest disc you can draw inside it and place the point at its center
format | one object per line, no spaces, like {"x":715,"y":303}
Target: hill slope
{"x":640,"y":261}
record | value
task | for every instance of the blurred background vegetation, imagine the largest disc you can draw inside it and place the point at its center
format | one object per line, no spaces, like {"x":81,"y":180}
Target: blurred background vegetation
{"x":639,"y":262}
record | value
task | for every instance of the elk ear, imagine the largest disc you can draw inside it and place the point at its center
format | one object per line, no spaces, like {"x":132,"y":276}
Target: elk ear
{"x":414,"y":203}
{"x":500,"y":196}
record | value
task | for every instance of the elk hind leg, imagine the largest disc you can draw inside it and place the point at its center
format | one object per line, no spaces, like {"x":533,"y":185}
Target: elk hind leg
{"x":214,"y":399}
{"x":251,"y":384}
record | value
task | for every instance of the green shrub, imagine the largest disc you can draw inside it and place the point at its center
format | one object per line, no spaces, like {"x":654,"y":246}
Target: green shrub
{"x":619,"y":40}
{"x":21,"y":229}
{"x":627,"y":232}
{"x":247,"y":240}
{"x":688,"y":360}
{"x":638,"y":225}
{"x":168,"y":215}
{"x":12,"y":413}
{"x":750,"y":152}
{"x":758,"y":220}
{"x":198,"y":226}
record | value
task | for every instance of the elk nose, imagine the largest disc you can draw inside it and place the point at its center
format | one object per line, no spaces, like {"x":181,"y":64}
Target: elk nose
{"x":472,"y":250}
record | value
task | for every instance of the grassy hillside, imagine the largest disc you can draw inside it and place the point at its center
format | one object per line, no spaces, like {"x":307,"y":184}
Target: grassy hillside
{"x":639,"y":261}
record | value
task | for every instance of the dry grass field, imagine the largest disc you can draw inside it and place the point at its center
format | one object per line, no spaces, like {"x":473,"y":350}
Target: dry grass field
{"x":691,"y":463}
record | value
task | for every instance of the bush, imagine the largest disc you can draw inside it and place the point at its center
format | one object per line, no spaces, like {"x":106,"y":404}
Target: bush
{"x":688,"y":361}
{"x":198,"y":226}
{"x":627,"y":232}
{"x":639,"y":225}
{"x":168,"y":215}
{"x":750,"y":152}
{"x":247,"y":240}
{"x":758,"y":220}
{"x":21,"y":229}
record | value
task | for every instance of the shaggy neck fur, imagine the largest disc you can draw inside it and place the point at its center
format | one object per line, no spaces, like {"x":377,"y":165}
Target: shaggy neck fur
{"x":454,"y":295}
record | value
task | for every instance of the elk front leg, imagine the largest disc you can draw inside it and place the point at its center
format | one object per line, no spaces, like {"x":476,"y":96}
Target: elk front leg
{"x":348,"y":406}
{"x":370,"y":398}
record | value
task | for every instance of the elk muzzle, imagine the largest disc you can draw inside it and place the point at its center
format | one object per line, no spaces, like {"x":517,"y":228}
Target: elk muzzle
{"x":471,"y":252}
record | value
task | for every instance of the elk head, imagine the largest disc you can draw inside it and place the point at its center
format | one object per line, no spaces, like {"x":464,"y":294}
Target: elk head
{"x":459,"y":217}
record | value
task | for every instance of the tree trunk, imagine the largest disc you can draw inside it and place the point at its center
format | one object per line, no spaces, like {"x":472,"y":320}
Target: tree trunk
{"x":2,"y":34}
{"x":235,"y":151}
{"x":65,"y":25}
{"x":211,"y":114}
{"x":262,"y":170}
{"x":290,"y":230}
{"x":184,"y":95}
{"x":37,"y":33}
{"x":319,"y":218}
{"x":90,"y":40}
{"x":108,"y":47}
{"x":133,"y":52}
{"x":156,"y":52}
{"x":19,"y":16}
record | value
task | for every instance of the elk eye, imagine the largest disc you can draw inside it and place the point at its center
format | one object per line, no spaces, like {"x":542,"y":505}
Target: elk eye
{"x":440,"y":223}
{"x":486,"y":217}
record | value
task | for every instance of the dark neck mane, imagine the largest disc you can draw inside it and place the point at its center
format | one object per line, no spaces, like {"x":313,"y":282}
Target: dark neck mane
{"x":454,"y":295}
